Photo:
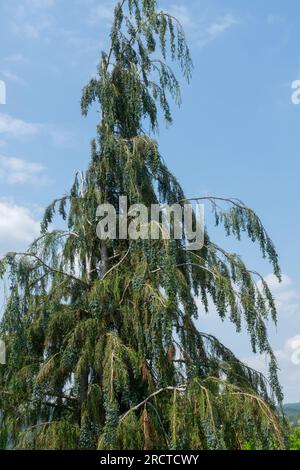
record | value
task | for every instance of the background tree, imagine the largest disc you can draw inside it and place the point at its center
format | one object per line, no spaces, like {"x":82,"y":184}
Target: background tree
{"x":294,"y":440}
{"x":102,"y":347}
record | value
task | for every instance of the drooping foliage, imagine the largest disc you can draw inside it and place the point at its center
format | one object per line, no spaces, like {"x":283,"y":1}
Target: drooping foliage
{"x":103,"y":342}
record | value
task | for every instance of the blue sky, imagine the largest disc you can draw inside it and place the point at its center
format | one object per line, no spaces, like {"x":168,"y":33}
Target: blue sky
{"x":236,"y":133}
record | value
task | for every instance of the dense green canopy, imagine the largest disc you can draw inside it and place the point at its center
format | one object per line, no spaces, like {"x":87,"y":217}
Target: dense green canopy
{"x":102,"y":345}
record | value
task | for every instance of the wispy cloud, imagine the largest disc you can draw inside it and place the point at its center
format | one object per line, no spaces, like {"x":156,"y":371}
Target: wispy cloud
{"x":216,"y":29}
{"x":32,"y":18}
{"x":37,"y":21}
{"x":17,"y":171}
{"x":13,"y":77}
{"x":18,"y":128}
{"x":202,"y":30}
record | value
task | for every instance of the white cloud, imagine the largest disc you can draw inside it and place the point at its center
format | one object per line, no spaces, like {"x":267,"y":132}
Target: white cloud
{"x":275,"y":285}
{"x":290,"y":349}
{"x":202,"y":30}
{"x":13,"y":77}
{"x":16,"y":127}
{"x":35,"y":20}
{"x":18,"y":227}
{"x":216,"y":29}
{"x":16,"y":171}
{"x":31,"y":18}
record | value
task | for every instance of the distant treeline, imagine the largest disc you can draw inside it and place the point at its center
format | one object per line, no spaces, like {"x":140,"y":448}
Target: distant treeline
{"x":292,"y":411}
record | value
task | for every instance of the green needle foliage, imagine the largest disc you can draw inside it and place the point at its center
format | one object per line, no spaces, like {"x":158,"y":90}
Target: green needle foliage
{"x":103,"y":351}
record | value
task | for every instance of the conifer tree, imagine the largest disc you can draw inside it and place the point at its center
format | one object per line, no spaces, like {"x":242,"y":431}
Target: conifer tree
{"x":103,"y":351}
